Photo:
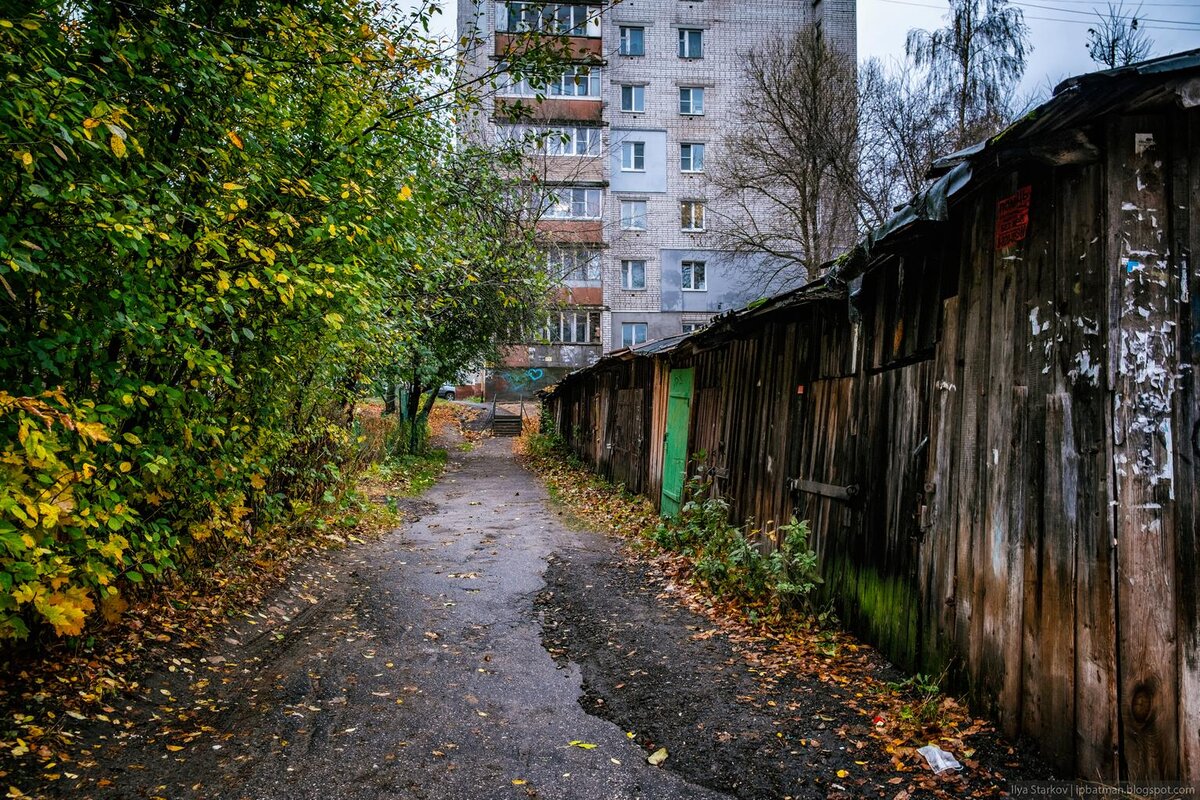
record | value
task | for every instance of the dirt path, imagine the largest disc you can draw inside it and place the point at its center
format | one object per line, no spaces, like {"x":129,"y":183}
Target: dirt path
{"x":410,"y":667}
{"x":459,"y":658}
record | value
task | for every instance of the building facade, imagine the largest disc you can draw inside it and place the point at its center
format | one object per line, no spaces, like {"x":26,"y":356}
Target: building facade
{"x":625,"y":141}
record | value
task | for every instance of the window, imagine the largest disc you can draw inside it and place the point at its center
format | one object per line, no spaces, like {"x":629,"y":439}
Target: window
{"x":633,"y":156}
{"x":633,"y":215}
{"x":579,"y":80}
{"x":691,"y":43}
{"x":633,"y":275}
{"x":573,"y":264}
{"x":633,"y":41}
{"x":554,"y":141}
{"x":691,"y":213}
{"x":693,"y":276}
{"x":571,"y":19}
{"x":633,"y":98}
{"x":571,"y":202}
{"x":691,"y":100}
{"x":572,"y":327}
{"x":633,"y":334}
{"x":691,"y":157}
{"x":692,"y":327}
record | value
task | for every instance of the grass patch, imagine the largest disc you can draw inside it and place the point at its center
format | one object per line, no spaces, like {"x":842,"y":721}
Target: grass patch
{"x":411,"y":474}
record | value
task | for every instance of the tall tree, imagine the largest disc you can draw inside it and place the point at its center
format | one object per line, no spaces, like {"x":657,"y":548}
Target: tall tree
{"x":787,"y":175}
{"x":905,"y":124}
{"x":1117,"y":39}
{"x":219,"y":221}
{"x":977,"y":59}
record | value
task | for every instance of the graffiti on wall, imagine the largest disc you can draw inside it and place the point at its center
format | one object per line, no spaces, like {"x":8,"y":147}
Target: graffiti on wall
{"x":519,"y":380}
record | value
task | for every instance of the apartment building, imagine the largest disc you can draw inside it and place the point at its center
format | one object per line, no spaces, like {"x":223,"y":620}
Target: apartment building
{"x":625,"y":140}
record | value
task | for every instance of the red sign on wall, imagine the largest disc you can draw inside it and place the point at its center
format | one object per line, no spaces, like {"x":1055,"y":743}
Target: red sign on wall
{"x":1012,"y":218}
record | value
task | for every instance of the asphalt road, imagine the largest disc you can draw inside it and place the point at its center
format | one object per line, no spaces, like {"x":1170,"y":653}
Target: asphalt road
{"x":407,"y":667}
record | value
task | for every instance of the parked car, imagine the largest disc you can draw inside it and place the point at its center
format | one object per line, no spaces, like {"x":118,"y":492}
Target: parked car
{"x":447,"y":391}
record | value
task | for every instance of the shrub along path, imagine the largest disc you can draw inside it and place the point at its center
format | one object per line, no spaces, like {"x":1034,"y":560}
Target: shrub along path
{"x":488,"y":650}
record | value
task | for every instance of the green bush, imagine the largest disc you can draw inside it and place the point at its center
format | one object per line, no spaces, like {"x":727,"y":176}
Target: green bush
{"x":220,"y":222}
{"x":732,"y":564}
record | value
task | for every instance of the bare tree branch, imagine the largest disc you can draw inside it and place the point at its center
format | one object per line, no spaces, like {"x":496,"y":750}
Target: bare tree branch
{"x":1117,"y":39}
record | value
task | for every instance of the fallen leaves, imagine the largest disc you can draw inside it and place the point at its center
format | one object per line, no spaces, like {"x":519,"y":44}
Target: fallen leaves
{"x":894,"y":718}
{"x":45,"y":696}
{"x":657,"y":758}
{"x":582,"y":745}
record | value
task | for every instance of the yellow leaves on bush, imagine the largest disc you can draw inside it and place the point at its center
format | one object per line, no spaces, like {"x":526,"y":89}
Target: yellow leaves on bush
{"x":235,"y":139}
{"x":226,"y":518}
{"x":112,"y":607}
{"x":67,"y":610}
{"x":114,"y":549}
{"x":49,"y":551}
{"x":118,"y":145}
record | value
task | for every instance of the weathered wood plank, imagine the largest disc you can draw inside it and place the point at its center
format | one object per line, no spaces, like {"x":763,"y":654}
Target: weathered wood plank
{"x":1185,"y":194}
{"x":1056,"y":595}
{"x":975,"y":280}
{"x":1143,"y":451}
{"x":938,"y":543}
{"x":999,"y":554}
{"x":1082,"y":360}
{"x":1036,"y":342}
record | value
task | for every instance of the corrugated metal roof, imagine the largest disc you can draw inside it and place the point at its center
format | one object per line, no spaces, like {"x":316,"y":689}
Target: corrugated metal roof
{"x":659,"y":345}
{"x":1076,"y":101}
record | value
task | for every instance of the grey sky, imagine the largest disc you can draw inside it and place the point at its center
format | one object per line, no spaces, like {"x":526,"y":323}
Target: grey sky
{"x":1058,"y":30}
{"x":1058,"y":45}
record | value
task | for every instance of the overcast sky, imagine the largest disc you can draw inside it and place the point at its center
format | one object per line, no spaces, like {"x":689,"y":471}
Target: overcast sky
{"x":1058,"y":30}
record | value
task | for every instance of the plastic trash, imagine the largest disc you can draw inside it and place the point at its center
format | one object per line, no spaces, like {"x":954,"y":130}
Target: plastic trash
{"x":939,"y":760}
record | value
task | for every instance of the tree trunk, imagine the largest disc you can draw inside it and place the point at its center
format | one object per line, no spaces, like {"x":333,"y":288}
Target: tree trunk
{"x":414,"y":413}
{"x":391,"y":394}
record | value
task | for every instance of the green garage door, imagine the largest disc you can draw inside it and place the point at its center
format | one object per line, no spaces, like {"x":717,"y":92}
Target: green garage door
{"x":675,"y":448}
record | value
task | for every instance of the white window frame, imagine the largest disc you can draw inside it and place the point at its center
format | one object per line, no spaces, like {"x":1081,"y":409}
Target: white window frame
{"x":577,"y":80}
{"x":691,"y":43}
{"x":564,"y":327}
{"x":692,"y":327}
{"x":625,"y":47}
{"x":633,"y":156}
{"x":574,"y":264}
{"x":628,"y":273}
{"x":636,"y":95}
{"x":629,"y":221}
{"x":572,"y":202}
{"x":632,"y":339}
{"x":687,"y":216}
{"x":689,"y":107}
{"x":538,"y":17}
{"x":687,"y":163}
{"x":579,"y":141}
{"x":688,"y":269}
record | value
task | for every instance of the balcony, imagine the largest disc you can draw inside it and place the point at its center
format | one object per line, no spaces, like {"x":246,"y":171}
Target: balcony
{"x":550,"y":110}
{"x":578,"y":48}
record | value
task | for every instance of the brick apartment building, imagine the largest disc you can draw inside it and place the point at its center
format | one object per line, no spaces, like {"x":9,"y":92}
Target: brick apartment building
{"x":636,"y":124}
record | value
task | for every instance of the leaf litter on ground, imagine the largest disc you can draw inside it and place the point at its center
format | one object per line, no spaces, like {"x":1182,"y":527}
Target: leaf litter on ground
{"x":900,"y":718}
